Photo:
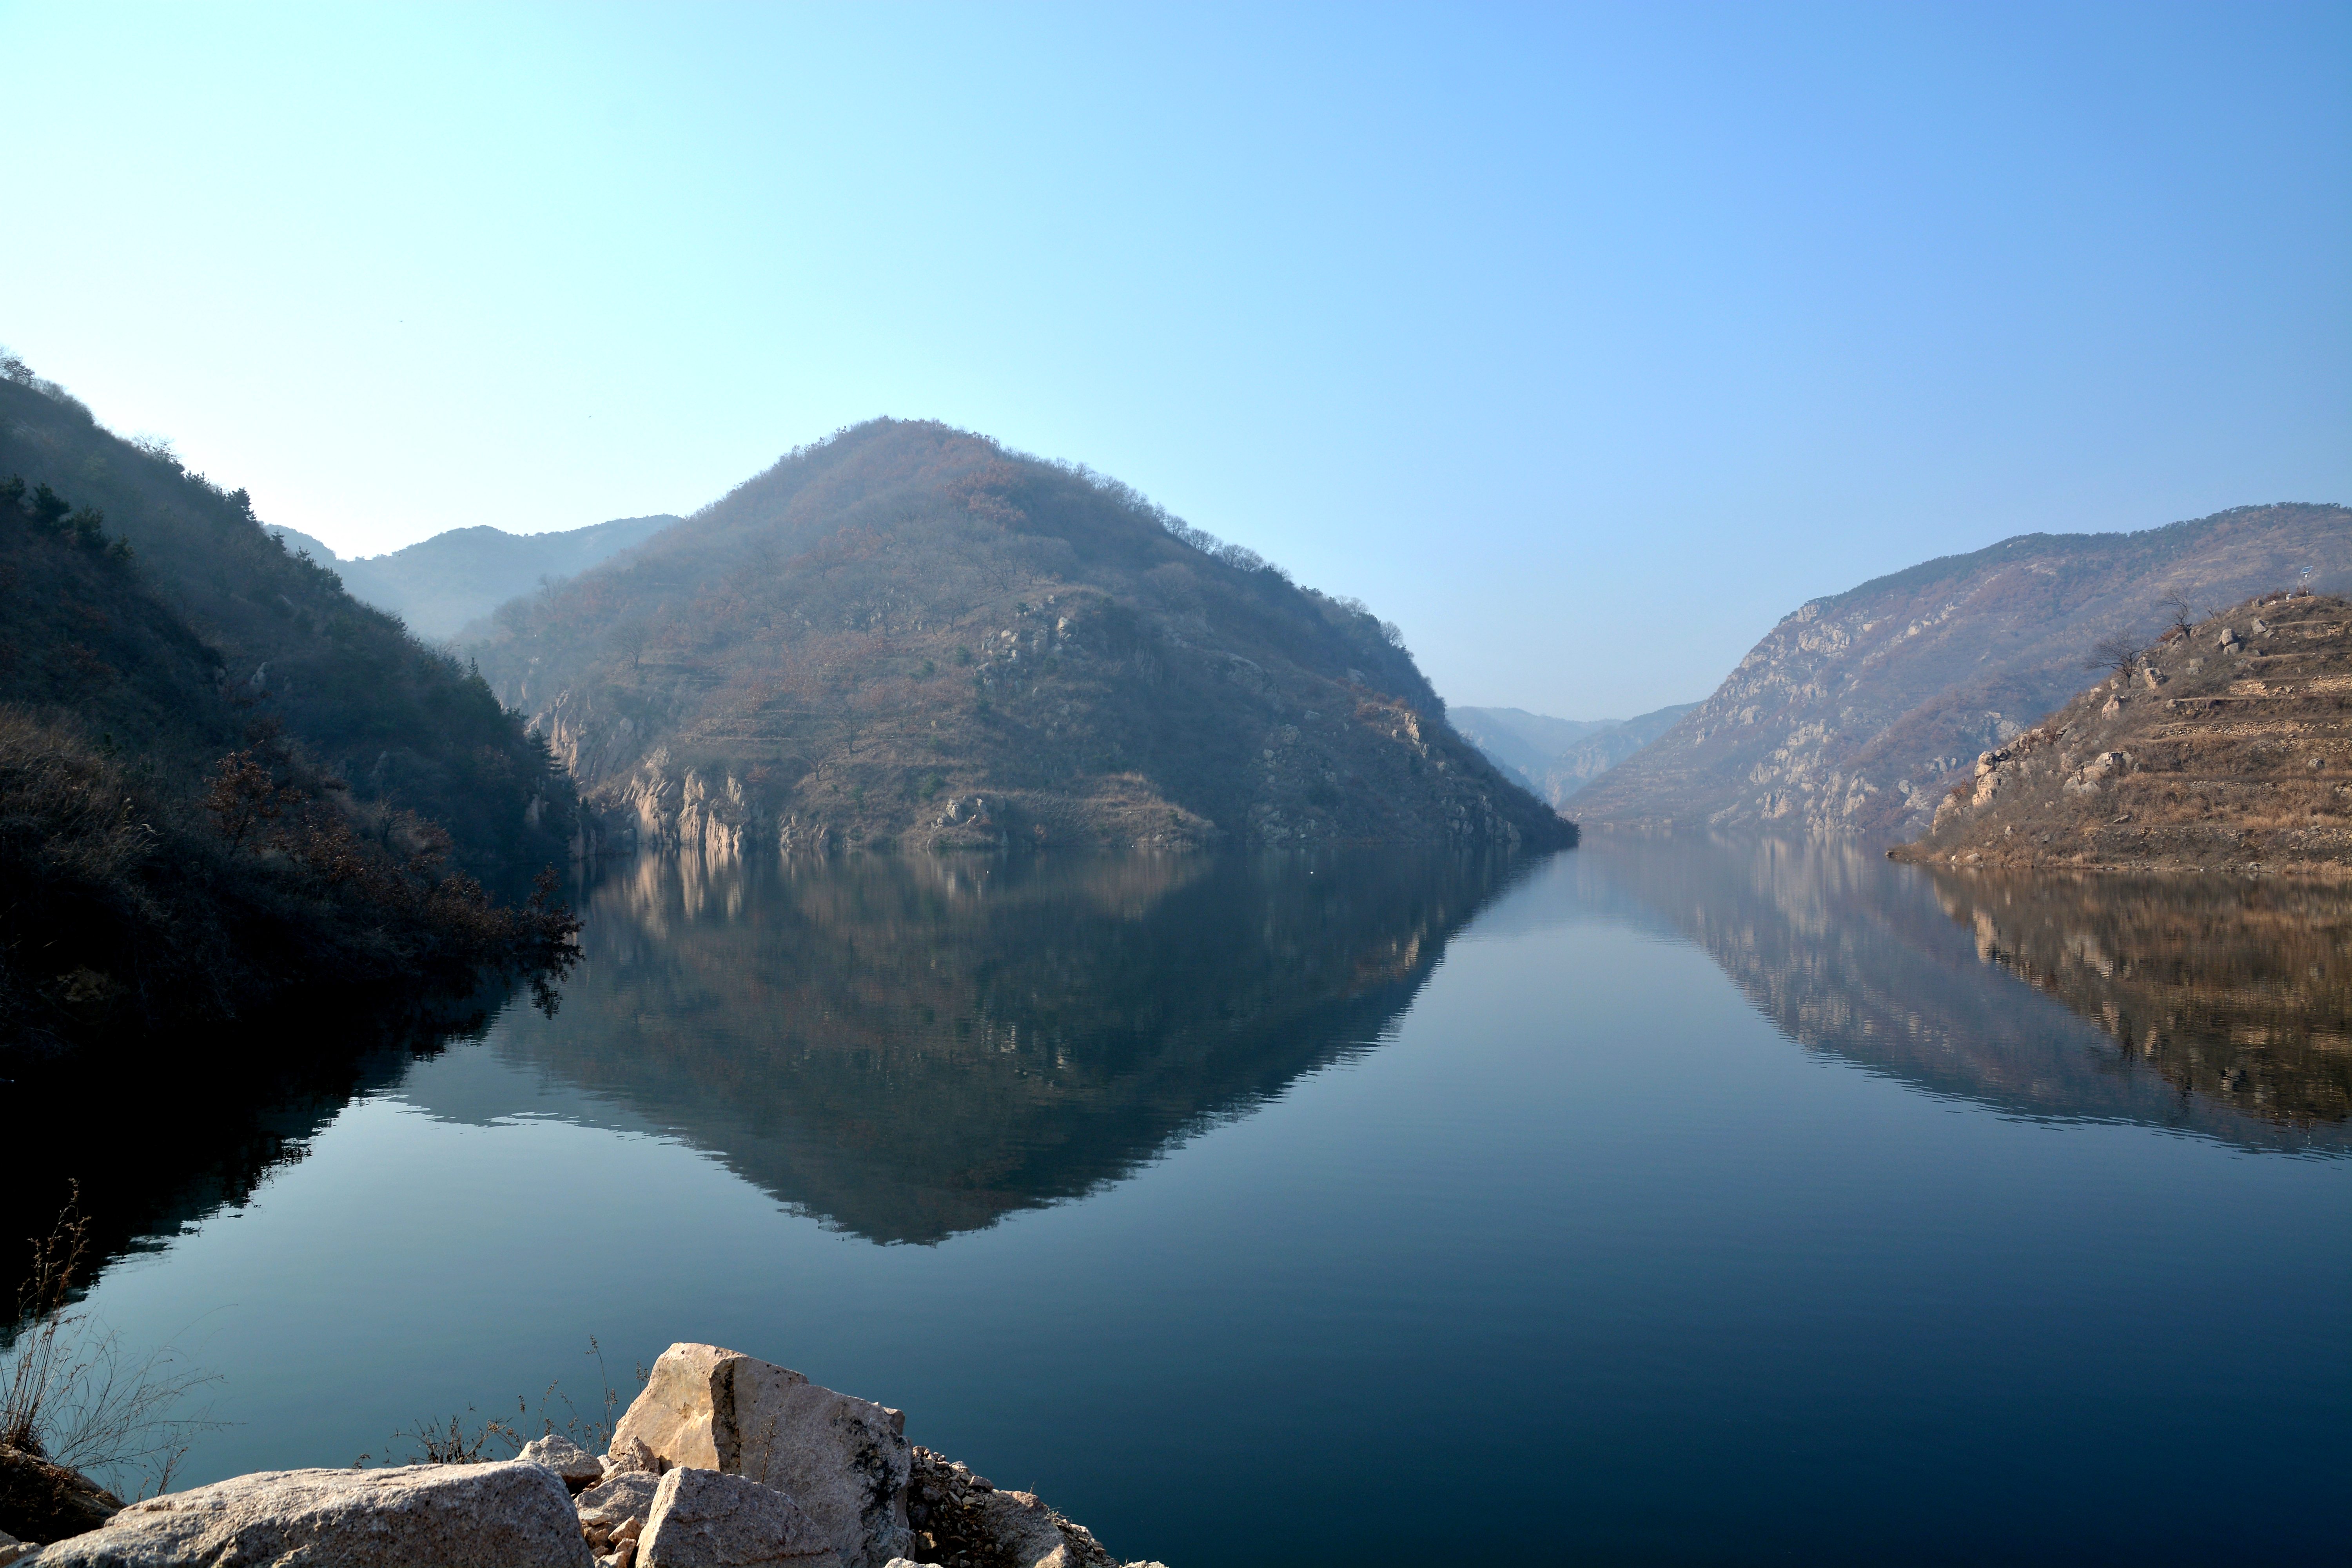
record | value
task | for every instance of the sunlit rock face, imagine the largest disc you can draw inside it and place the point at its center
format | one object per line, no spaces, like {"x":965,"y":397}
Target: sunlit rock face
{"x":1859,"y":712}
{"x":842,"y":1459}
{"x":2208,"y":751}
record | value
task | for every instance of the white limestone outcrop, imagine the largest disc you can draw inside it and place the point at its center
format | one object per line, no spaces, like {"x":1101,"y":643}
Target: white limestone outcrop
{"x":706,"y":1518}
{"x":844,"y":1460}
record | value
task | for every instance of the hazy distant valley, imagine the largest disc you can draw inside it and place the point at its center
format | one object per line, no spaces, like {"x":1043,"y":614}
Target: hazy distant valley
{"x":440,"y":585}
{"x":1558,"y":757}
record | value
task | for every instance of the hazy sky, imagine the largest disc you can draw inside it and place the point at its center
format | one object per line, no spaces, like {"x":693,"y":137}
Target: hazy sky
{"x":1585,"y":343}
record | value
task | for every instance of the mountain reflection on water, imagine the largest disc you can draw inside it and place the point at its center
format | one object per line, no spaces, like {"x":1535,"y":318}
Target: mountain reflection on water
{"x":2216,"y":1006}
{"x":911,"y":1048}
{"x":2240,"y":990}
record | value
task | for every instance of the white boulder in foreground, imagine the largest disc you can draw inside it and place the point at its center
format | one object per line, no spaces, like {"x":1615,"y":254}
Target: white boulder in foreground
{"x":631,"y":1454}
{"x":702,"y":1519}
{"x":843,"y":1460}
{"x":508,"y":1515}
{"x":576,"y":1465}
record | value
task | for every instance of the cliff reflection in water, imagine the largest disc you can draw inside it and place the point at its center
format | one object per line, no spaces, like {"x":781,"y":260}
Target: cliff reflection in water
{"x":2222,"y":1007}
{"x":910,"y":1048}
{"x":2237,"y":989}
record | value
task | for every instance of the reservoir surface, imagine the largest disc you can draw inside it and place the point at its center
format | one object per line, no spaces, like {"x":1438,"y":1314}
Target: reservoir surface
{"x":1666,"y":1201}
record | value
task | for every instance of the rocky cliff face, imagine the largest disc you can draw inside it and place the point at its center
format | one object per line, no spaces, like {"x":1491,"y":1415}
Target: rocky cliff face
{"x":1858,"y":712}
{"x":907,"y":636}
{"x":2224,"y":745}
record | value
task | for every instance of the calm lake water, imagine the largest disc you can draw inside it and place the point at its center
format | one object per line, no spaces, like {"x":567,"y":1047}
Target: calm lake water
{"x":1661,"y":1202}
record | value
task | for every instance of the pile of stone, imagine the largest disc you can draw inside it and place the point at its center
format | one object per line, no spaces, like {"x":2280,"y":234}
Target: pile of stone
{"x":722,"y":1462}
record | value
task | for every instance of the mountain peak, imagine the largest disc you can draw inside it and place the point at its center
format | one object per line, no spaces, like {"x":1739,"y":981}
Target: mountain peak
{"x":907,"y":633}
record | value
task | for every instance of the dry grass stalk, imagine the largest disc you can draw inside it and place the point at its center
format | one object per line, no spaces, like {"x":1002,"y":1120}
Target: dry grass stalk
{"x":71,"y":1393}
{"x":461,"y":1441}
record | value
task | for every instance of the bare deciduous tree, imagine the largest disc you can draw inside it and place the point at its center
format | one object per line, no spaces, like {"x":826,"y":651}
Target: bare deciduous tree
{"x":630,"y":638}
{"x":2119,"y":652}
{"x":2179,"y":612}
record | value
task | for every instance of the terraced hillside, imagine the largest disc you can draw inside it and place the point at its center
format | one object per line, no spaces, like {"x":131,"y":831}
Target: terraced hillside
{"x":2227,"y":745}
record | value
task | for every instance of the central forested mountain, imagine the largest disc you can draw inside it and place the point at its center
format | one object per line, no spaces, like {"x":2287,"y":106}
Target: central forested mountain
{"x":907,"y":634}
{"x":1858,"y":711}
{"x":438,"y":585}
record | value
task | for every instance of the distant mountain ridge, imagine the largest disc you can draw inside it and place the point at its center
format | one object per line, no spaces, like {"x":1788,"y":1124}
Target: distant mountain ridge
{"x":442,"y":584}
{"x":1513,"y":736}
{"x":1518,"y":741}
{"x":1558,"y":757}
{"x":907,"y":634}
{"x":1859,"y":711}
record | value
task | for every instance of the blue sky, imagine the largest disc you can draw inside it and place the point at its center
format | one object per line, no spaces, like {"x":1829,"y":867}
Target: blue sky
{"x":1584,"y":342}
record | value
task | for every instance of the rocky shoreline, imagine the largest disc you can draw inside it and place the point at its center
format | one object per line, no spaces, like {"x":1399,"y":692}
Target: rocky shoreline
{"x":723,"y":1462}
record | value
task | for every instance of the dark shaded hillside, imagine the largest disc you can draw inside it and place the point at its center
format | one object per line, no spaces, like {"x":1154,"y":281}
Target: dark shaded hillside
{"x":439,"y":585}
{"x":404,"y":727}
{"x":1857,"y":712}
{"x":906,"y":633}
{"x":182,"y":847}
